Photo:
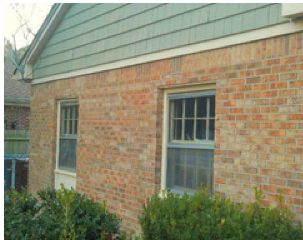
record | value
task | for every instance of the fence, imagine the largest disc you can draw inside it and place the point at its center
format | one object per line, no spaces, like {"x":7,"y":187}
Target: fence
{"x":16,"y":145}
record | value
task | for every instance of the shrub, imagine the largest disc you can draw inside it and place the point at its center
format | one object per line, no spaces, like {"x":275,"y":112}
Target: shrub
{"x":203,"y":216}
{"x":59,"y":214}
{"x":66,"y":214}
{"x":20,"y":210}
{"x":270,"y":223}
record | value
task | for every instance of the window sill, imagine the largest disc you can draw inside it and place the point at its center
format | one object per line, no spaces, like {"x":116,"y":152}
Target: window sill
{"x":64,"y":172}
{"x":182,"y":191}
{"x":205,"y":145}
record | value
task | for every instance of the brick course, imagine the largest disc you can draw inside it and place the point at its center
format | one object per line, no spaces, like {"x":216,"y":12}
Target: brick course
{"x":259,"y":127}
{"x":16,"y":113}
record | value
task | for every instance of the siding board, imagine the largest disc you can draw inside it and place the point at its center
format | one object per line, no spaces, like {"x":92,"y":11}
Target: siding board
{"x":94,"y":34}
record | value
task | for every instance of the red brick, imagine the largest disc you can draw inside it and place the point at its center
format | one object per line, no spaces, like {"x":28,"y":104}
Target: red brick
{"x":263,"y":71}
{"x":278,"y":85}
{"x":20,"y":114}
{"x":253,"y":80}
{"x":298,"y":83}
{"x":258,"y":125}
{"x":296,"y":117}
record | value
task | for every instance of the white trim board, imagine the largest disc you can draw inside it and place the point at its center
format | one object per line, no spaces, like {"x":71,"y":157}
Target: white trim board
{"x":292,"y":10}
{"x":254,"y":35}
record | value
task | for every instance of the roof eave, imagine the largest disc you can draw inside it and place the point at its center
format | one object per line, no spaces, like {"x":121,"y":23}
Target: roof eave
{"x":46,"y":33}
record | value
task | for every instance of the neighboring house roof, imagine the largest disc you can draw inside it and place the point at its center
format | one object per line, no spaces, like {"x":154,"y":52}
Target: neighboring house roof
{"x":78,"y":39}
{"x":15,"y":92}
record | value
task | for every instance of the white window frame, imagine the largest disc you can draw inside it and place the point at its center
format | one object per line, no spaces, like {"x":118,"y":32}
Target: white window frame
{"x":165,"y":132}
{"x":57,"y":169}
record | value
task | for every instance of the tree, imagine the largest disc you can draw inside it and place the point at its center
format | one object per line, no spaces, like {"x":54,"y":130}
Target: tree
{"x":8,"y":47}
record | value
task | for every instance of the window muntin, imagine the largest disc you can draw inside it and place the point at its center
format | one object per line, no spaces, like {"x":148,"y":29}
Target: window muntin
{"x":68,"y":136}
{"x":190,"y":141}
{"x":192,"y":119}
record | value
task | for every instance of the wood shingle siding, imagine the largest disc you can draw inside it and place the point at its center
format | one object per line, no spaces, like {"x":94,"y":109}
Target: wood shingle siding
{"x":95,"y":34}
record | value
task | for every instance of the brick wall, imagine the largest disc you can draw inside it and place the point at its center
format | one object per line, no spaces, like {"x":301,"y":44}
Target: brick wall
{"x":16,"y":113}
{"x":259,"y":125}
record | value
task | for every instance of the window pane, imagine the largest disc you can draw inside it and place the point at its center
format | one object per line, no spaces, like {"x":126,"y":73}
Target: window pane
{"x":76,"y":112}
{"x":189,"y":168}
{"x":67,"y":120}
{"x":179,"y":175}
{"x":76,"y":126}
{"x":191,"y":178}
{"x":202,"y":107}
{"x":64,"y":109}
{"x":67,"y":155}
{"x":211,"y":134}
{"x":189,"y":130}
{"x":72,"y":109}
{"x":65,"y":127}
{"x":201,"y":130}
{"x":203,"y":178}
{"x":61,"y":123}
{"x":177,"y":130}
{"x":71,"y":121}
{"x":70,"y":126}
{"x":212,"y":106}
{"x":178,"y":108}
{"x":76,"y":120}
{"x":189,"y":107}
{"x":171,"y":161}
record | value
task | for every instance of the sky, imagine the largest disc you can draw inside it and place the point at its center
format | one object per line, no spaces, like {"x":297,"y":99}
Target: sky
{"x":32,"y":13}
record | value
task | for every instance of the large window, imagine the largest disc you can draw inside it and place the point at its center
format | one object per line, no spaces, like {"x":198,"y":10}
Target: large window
{"x":191,"y":134}
{"x":68,"y":136}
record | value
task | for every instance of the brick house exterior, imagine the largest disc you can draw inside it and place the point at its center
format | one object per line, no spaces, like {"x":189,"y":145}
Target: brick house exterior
{"x":16,"y":122}
{"x":14,"y":113}
{"x":16,"y":101}
{"x":121,"y":136}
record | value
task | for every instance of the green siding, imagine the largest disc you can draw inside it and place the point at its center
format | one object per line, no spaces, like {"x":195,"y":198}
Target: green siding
{"x":94,"y":34}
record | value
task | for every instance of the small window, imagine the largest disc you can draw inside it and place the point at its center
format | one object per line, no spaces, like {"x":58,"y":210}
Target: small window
{"x":191,"y":141}
{"x":15,"y":125}
{"x":68,"y":136}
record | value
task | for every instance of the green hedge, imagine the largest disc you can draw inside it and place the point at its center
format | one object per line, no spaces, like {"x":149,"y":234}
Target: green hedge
{"x":20,"y":210}
{"x":203,"y":216}
{"x":65,"y":214}
{"x":62,"y":214}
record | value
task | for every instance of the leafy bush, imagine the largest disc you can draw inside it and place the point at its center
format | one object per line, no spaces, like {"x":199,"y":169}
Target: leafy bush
{"x":59,"y":214}
{"x":203,"y":216}
{"x":20,"y":210}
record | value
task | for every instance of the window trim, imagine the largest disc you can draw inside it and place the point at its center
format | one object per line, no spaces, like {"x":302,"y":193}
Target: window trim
{"x":59,"y":104}
{"x":170,"y":93}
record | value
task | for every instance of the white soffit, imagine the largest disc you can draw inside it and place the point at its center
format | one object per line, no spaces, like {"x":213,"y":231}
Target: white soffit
{"x":292,"y":10}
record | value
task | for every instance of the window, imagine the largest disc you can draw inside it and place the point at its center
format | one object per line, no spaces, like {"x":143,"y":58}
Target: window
{"x":191,"y":134}
{"x":15,"y":125}
{"x":68,"y":136}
